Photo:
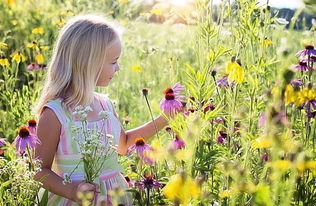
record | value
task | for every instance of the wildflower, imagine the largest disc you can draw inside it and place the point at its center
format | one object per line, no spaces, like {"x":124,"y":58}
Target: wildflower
{"x":172,"y":102}
{"x":31,"y":125}
{"x":178,"y":143}
{"x":137,"y":68}
{"x":3,"y":45}
{"x":305,"y":95}
{"x":141,"y":149}
{"x":38,"y":30}
{"x":218,"y":120}
{"x":32,"y":45}
{"x":222,"y":137}
{"x":265,"y":157}
{"x":266,"y":42}
{"x":18,"y":57}
{"x":4,"y":62}
{"x":25,"y":139}
{"x":32,"y":67}
{"x":225,"y":193}
{"x":302,"y":65}
{"x":39,"y":59}
{"x":281,"y":164}
{"x":209,"y":107}
{"x":181,"y":188}
{"x":2,"y":142}
{"x":290,"y":95}
{"x":297,"y":83}
{"x":145,"y":91}
{"x":60,"y":22}
{"x":156,"y":11}
{"x":235,"y":72}
{"x":261,"y":142}
{"x":148,"y":182}
{"x":309,"y":50}
{"x":45,"y":48}
{"x":309,"y":105}
{"x":262,"y":120}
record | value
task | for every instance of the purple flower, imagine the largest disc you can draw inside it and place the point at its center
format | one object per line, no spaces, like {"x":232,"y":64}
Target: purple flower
{"x":129,"y":181}
{"x":223,"y":83}
{"x":262,"y":120}
{"x":265,"y":157}
{"x":31,"y":125}
{"x":177,"y":88}
{"x":309,"y":50}
{"x":32,"y":67}
{"x":222,"y":137}
{"x":170,"y":104}
{"x":218,"y":120}
{"x":308,"y":107}
{"x":302,"y":65}
{"x":148,"y":182}
{"x":2,"y":142}
{"x":297,"y":82}
{"x":178,"y":143}
{"x":25,"y":139}
{"x":141,"y":149}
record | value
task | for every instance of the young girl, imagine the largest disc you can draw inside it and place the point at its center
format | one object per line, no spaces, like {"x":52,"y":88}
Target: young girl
{"x":85,"y":56}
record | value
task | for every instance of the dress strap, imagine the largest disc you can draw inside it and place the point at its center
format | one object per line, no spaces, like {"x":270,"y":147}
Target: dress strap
{"x":56,"y":106}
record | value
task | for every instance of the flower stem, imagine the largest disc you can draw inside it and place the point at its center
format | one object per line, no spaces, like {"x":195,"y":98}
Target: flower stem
{"x":151,"y":114}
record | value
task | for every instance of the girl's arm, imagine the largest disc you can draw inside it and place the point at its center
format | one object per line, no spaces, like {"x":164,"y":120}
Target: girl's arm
{"x":48,"y":131}
{"x":145,"y":131}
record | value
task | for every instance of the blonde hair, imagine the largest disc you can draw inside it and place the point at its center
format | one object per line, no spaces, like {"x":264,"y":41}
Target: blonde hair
{"x":76,"y":62}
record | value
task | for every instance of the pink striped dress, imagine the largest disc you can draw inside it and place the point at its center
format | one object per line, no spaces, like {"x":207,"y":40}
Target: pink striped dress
{"x":67,"y":155}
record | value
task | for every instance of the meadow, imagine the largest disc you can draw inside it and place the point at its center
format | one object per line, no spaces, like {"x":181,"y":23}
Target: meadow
{"x":247,"y":135}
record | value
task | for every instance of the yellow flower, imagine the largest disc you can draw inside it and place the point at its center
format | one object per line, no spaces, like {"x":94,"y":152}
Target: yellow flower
{"x":14,"y":22}
{"x":235,"y":72}
{"x":32,"y":45}
{"x":266,"y":43}
{"x":305,"y":95}
{"x":123,"y":1}
{"x":39,"y":59}
{"x":18,"y":57}
{"x":4,"y":62}
{"x":3,"y":45}
{"x":282,"y":164}
{"x":137,"y":68}
{"x":262,"y":142}
{"x":10,"y":2}
{"x":225,"y":193}
{"x":181,"y":188}
{"x":38,"y":30}
{"x":311,"y":165}
{"x":59,"y":22}
{"x":156,"y":11}
{"x":45,"y":48}
{"x":289,"y":94}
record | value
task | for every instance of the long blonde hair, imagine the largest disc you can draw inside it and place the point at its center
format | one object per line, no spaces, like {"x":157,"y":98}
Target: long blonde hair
{"x":76,"y":62}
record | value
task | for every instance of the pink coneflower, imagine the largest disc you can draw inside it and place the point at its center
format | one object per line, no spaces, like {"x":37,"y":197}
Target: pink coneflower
{"x":31,"y":125}
{"x":297,"y":82}
{"x":173,"y":100}
{"x":25,"y":139}
{"x":170,"y":104}
{"x":148,"y":182}
{"x":309,"y":50}
{"x":141,"y":148}
{"x":32,"y":67}
{"x":262,"y":120}
{"x":2,"y":142}
{"x":178,"y":143}
{"x":302,"y":65}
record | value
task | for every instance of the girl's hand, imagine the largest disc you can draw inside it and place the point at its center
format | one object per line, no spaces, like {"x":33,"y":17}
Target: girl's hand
{"x":85,"y":192}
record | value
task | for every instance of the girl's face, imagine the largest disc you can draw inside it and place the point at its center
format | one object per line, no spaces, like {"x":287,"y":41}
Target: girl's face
{"x":111,"y":65}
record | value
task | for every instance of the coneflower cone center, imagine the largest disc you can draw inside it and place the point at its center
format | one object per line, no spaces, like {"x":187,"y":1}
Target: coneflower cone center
{"x":303,"y":63}
{"x":168,"y":90}
{"x":309,"y":47}
{"x":169,"y":96}
{"x":24,"y":132}
{"x":32,"y":123}
{"x":140,"y":142}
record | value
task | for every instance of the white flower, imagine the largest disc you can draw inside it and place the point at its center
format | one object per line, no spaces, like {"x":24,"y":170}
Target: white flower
{"x":104,"y":114}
